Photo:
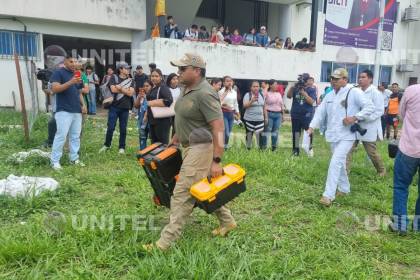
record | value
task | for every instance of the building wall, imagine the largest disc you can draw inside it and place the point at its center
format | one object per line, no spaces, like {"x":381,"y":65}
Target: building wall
{"x":300,"y":19}
{"x":241,"y":62}
{"x":118,"y":13}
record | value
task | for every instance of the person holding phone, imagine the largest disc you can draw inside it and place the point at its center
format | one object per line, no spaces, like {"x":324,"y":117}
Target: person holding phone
{"x":69,"y":108}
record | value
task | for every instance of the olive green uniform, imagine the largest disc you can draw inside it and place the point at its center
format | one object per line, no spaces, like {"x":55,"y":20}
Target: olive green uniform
{"x":194,"y":109}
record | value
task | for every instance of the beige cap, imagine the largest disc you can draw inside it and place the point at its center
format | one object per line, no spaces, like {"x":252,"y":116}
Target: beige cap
{"x":189,"y":59}
{"x":340,"y":73}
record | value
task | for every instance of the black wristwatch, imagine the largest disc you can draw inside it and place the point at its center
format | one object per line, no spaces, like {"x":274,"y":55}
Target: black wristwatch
{"x":217,"y":159}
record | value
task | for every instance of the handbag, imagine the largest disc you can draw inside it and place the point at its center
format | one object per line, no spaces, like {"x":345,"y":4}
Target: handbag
{"x":163,"y":112}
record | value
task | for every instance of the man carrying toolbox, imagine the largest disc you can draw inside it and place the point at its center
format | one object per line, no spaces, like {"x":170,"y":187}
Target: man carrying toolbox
{"x":199,"y":129}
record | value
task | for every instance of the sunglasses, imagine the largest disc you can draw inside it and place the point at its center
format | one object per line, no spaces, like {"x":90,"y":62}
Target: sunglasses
{"x":183,"y":68}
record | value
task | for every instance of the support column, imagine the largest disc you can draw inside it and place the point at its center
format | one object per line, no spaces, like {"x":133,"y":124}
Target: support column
{"x":138,"y":54}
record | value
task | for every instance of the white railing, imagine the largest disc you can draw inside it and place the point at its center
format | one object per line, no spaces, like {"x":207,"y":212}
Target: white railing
{"x":240,"y":62}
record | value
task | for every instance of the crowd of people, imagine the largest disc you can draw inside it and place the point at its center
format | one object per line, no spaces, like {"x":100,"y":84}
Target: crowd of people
{"x":186,"y":109}
{"x":233,"y":36}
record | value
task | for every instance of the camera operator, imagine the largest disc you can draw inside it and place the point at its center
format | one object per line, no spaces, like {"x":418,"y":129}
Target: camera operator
{"x":343,"y":109}
{"x":303,"y":109}
{"x":372,"y":124}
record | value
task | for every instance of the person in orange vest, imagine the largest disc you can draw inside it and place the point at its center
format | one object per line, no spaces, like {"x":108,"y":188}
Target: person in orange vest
{"x":393,"y":111}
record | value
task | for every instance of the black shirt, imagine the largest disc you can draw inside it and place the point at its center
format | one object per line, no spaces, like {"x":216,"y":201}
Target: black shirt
{"x":121,"y":101}
{"x":139,"y":80}
{"x":165,"y":94}
{"x":301,"y":45}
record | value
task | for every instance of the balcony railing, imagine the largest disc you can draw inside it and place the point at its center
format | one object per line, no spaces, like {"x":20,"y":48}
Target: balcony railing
{"x":240,"y":62}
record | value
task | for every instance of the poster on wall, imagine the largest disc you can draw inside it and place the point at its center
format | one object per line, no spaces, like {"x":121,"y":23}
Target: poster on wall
{"x":354,"y":23}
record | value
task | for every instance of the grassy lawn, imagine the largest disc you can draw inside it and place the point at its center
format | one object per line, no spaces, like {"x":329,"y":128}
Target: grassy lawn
{"x":283,"y":232}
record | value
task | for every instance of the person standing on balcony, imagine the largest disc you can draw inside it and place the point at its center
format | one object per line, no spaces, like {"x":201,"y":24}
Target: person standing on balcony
{"x":229,"y":100}
{"x":262,"y":38}
{"x":191,"y":33}
{"x":171,"y":28}
{"x":220,"y":37}
{"x":213,"y":36}
{"x":203,"y":35}
{"x":288,"y":44}
{"x":235,"y":38}
{"x":250,"y":38}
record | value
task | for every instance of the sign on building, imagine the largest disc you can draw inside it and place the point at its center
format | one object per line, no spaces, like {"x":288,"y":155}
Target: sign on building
{"x":354,"y":23}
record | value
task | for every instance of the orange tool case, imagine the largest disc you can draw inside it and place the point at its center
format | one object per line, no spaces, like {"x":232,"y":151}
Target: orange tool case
{"x":161,"y":165}
{"x":211,"y":194}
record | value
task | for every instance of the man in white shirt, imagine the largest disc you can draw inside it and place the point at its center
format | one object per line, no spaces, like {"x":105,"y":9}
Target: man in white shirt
{"x":386,"y":93}
{"x":343,"y":108}
{"x":191,"y":33}
{"x":372,"y":124}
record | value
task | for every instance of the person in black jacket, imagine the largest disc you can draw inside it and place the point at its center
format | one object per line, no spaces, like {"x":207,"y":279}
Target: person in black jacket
{"x":160,"y":96}
{"x":122,"y":86}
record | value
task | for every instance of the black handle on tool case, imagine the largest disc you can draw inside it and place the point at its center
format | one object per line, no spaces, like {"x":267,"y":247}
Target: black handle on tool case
{"x":209,"y":176}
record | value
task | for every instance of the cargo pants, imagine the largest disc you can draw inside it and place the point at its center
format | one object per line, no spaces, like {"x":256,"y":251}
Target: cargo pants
{"x":372,"y":152}
{"x":196,"y":166}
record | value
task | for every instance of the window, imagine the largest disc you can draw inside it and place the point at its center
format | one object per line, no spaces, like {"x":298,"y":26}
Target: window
{"x":354,"y":71}
{"x":11,"y":41}
{"x":326,"y":71}
{"x":385,"y":75}
{"x":328,"y":67}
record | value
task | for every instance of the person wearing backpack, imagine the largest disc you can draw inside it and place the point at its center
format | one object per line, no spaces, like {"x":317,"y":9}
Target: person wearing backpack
{"x":344,"y":107}
{"x":93,"y":81}
{"x":122,"y":87}
{"x":255,"y":116}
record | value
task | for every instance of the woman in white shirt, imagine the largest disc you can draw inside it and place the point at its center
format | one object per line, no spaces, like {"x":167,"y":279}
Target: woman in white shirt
{"x":229,"y":99}
{"x":172,"y":83}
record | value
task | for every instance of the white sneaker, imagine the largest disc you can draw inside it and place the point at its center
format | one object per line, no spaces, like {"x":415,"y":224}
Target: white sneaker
{"x":103,"y":149}
{"x":56,"y":166}
{"x":78,"y":163}
{"x":311,"y":153}
{"x":121,"y":151}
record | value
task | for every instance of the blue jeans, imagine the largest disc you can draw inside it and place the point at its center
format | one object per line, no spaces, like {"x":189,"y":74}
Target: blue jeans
{"x":115,"y":114}
{"x":405,"y":169}
{"x":272,"y":129}
{"x":71,"y":124}
{"x":92,"y":101}
{"x":143,"y":133}
{"x":228,"y":118}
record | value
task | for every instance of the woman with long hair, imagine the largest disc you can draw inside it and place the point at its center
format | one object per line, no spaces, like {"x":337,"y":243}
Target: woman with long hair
{"x":229,"y":99}
{"x":216,"y":84}
{"x":160,"y":96}
{"x":274,"y":106}
{"x":141,"y":105}
{"x":255,"y":116}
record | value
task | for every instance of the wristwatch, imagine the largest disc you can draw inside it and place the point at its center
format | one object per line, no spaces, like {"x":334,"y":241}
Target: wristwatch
{"x":217,"y":159}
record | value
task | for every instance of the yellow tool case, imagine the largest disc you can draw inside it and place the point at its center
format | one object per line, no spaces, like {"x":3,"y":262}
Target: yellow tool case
{"x":211,"y":194}
{"x":161,"y":165}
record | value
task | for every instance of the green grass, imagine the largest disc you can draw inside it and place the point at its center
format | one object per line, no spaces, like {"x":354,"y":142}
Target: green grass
{"x":283,"y":232}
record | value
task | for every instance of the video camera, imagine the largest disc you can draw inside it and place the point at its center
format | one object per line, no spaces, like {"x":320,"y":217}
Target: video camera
{"x":302,"y":80}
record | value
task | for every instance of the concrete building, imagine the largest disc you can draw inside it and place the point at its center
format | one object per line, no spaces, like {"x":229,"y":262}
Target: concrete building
{"x":112,"y":30}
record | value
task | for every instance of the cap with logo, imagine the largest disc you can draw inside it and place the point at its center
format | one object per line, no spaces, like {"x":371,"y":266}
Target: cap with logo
{"x":190,"y":59}
{"x":340,"y":73}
